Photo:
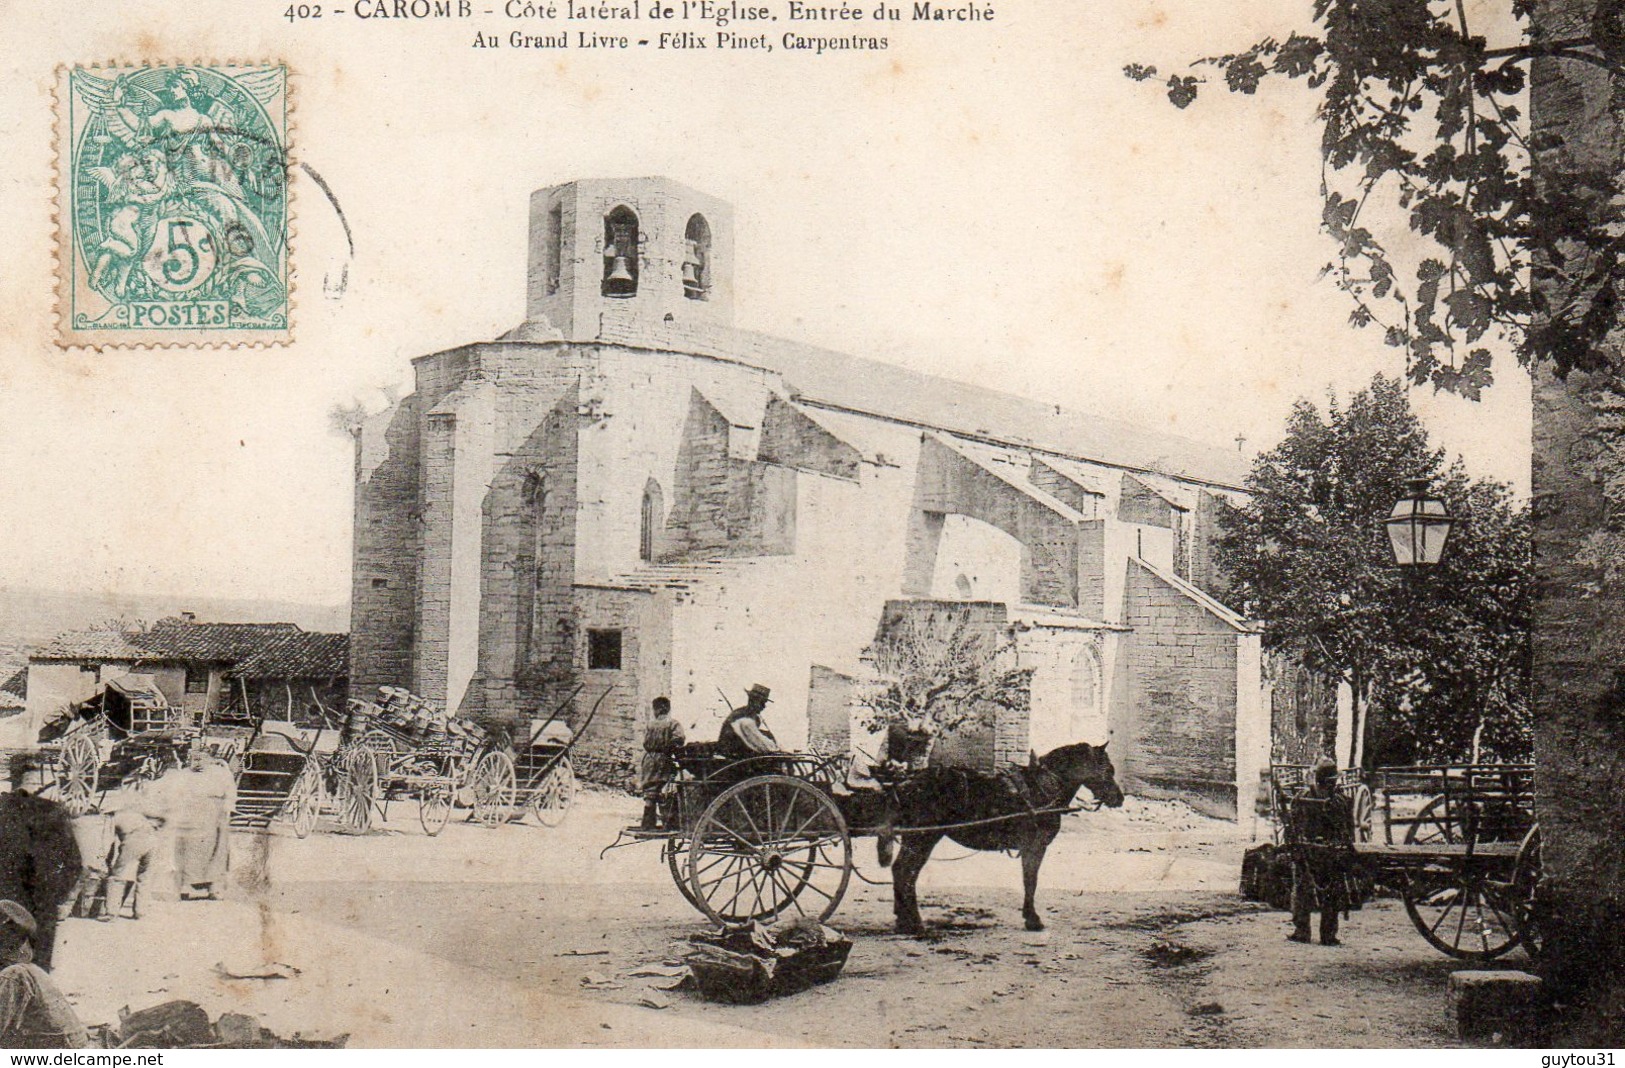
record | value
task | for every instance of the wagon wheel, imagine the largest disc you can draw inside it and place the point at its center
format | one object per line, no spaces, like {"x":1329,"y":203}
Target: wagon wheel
{"x":357,"y":789}
{"x":1525,"y":884}
{"x":493,"y":784}
{"x":434,"y":808}
{"x":676,"y":851}
{"x":1456,"y":904}
{"x":552,"y":802}
{"x":1363,"y":809}
{"x":762,"y":845}
{"x":306,"y":799}
{"x":1434,"y":825}
{"x":78,"y":766}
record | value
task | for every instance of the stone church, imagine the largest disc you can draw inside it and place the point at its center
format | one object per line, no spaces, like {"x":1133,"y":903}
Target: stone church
{"x":628,"y":493}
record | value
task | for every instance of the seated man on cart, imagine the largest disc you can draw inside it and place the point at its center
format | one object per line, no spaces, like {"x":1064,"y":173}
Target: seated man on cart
{"x":743,"y":733}
{"x":1320,"y":838}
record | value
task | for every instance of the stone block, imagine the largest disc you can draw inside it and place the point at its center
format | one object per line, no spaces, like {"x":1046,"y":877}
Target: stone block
{"x":1507,"y":1007}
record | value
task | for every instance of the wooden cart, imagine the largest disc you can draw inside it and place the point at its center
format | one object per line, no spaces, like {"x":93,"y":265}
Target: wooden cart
{"x":1467,"y":854}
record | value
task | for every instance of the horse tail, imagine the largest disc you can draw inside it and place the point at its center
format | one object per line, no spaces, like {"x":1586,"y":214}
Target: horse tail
{"x":885,"y":846}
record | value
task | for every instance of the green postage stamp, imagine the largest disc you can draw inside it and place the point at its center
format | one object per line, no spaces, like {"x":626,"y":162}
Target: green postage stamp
{"x":172,"y":205}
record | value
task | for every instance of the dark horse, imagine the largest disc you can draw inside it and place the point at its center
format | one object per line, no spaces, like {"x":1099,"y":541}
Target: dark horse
{"x":1033,"y":796}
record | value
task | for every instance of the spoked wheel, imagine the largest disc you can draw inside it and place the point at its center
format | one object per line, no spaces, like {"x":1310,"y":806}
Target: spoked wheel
{"x":1434,"y":825}
{"x":676,"y":851}
{"x":358,"y":789}
{"x":493,"y":784}
{"x":1525,"y":884}
{"x":1457,"y":905}
{"x":434,"y":809}
{"x":766,"y":844}
{"x":77,"y":768}
{"x":306,"y":800}
{"x":551,"y":803}
{"x":1363,"y":809}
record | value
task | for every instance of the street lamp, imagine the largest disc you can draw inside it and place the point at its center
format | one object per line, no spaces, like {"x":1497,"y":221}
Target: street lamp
{"x":1418,"y":526}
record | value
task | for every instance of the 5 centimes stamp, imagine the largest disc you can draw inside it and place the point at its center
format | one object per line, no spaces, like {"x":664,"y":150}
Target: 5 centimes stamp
{"x":172,"y":205}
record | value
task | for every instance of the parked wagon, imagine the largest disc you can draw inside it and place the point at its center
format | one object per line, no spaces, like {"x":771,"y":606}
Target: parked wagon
{"x":1468,"y":855}
{"x":125,"y":735}
{"x":1458,"y":842}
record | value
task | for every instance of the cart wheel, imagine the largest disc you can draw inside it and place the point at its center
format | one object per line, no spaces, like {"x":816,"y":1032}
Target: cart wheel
{"x":676,"y":851}
{"x":493,"y":785}
{"x":1525,"y":884}
{"x":1364,"y":809}
{"x":77,"y":768}
{"x":305,"y":802}
{"x":552,"y":802}
{"x":1456,"y":904}
{"x":1434,"y":825}
{"x":434,"y":809}
{"x":765,"y":843}
{"x":358,"y":789}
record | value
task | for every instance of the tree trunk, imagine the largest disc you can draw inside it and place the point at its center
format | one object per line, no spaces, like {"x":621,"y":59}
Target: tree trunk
{"x":1579,"y":611}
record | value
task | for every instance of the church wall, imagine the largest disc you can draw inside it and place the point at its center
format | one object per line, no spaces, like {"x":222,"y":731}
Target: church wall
{"x":383,"y":577}
{"x":1176,"y":699}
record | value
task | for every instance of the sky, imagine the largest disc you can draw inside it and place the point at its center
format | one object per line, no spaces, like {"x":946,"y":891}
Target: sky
{"x":994,"y":203}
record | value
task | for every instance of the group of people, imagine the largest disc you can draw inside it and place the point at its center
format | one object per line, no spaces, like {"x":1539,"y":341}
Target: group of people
{"x":97,"y":865}
{"x":743,"y":734}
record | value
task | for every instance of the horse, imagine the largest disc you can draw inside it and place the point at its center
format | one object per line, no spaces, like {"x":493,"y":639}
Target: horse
{"x":1032,"y":798}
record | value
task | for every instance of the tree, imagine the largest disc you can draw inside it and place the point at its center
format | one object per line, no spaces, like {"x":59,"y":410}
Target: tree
{"x":942,"y":670}
{"x":1422,"y":121}
{"x":1439,"y":660}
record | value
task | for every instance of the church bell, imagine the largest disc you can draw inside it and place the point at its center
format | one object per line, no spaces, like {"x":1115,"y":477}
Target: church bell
{"x":619,"y":281}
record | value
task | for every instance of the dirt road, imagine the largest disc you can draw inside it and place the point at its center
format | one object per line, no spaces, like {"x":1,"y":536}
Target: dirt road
{"x":520,"y":935}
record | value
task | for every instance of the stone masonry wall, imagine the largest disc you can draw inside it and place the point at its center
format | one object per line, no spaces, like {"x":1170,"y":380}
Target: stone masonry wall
{"x":383,"y":578}
{"x":1178,"y":707}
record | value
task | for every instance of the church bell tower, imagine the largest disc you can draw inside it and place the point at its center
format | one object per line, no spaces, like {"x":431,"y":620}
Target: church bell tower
{"x":614,"y":258}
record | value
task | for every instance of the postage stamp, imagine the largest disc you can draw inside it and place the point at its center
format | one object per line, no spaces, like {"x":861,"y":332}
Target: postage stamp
{"x":172,"y":205}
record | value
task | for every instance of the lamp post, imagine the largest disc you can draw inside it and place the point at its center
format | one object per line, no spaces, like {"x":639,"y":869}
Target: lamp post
{"x":1419,"y":526}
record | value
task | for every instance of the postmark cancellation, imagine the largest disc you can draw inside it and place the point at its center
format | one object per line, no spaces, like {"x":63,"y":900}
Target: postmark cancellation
{"x":172,"y":205}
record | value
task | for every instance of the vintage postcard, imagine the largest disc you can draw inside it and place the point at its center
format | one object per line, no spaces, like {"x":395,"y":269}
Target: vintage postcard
{"x":757,"y":524}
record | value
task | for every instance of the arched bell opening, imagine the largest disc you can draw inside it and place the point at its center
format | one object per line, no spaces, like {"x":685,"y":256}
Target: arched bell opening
{"x":621,"y":240}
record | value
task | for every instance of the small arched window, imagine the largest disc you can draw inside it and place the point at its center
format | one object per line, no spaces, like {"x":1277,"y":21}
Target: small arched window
{"x":654,"y":517}
{"x":963,"y":587}
{"x":697,"y":259}
{"x":621,"y":238}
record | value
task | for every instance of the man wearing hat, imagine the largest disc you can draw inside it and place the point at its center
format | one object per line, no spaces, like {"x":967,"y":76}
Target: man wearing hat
{"x":33,"y":1012}
{"x":39,"y":855}
{"x":1320,"y":836}
{"x":743,"y":733}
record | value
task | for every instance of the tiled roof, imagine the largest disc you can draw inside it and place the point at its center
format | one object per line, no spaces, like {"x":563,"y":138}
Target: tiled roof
{"x":97,"y":643}
{"x":304,"y":655}
{"x":14,"y":691}
{"x":257,"y":650}
{"x":181,"y":639}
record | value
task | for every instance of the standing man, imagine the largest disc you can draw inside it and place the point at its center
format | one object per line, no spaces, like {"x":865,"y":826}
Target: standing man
{"x":33,"y":1012}
{"x":1320,"y":834}
{"x":39,"y":856}
{"x":661,"y":738}
{"x":743,"y":733}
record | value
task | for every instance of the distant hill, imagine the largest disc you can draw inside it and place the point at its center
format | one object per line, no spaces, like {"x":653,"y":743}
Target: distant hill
{"x":32,"y":617}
